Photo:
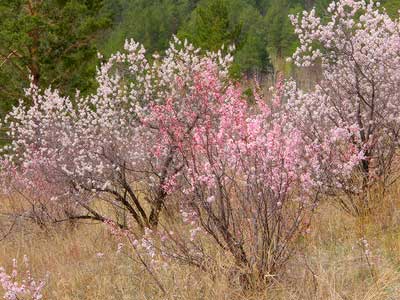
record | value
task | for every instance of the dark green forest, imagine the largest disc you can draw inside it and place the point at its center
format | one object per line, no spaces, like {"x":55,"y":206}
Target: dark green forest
{"x":55,"y":42}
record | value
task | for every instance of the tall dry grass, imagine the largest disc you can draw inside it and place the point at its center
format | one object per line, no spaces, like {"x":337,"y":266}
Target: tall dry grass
{"x":333,"y":262}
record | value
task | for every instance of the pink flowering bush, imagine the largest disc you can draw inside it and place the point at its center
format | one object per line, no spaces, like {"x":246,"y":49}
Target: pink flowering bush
{"x":351,"y":118}
{"x":248,"y":184}
{"x":20,"y":285}
{"x":243,"y":187}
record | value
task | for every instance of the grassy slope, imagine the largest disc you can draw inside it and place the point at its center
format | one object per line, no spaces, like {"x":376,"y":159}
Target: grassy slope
{"x":331,"y":264}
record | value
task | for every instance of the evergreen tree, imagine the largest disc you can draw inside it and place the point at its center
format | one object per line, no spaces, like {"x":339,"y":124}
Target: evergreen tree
{"x":150,"y":22}
{"x":210,"y":26}
{"x":236,"y":22}
{"x":280,"y":34}
{"x":52,"y":41}
{"x":252,"y":56}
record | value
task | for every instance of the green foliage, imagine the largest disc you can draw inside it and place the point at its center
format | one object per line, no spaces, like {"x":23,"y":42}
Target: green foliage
{"x":210,"y":26}
{"x":392,"y":7}
{"x":236,"y":22}
{"x":281,"y":39}
{"x":53,"y":41}
{"x":260,"y":29}
{"x":151,"y":22}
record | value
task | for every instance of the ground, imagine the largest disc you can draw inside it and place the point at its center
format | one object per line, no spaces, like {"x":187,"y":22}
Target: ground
{"x":340,"y":257}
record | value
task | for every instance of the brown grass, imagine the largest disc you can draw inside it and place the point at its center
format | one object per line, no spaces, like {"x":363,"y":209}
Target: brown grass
{"x":331,"y":264}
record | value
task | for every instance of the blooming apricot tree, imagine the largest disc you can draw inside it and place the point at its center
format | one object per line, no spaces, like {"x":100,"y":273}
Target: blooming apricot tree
{"x":249,"y":185}
{"x":119,"y":144}
{"x":244,"y":185}
{"x":357,"y":99}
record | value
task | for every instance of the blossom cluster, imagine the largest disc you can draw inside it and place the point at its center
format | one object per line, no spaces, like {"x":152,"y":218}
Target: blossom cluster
{"x":26,"y":288}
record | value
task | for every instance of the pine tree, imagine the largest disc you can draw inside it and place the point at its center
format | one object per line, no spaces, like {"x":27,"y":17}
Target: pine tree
{"x":210,"y":27}
{"x":51,"y":41}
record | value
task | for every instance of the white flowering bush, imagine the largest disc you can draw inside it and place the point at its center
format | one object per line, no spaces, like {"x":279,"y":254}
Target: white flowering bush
{"x":116,"y":144}
{"x":357,"y":99}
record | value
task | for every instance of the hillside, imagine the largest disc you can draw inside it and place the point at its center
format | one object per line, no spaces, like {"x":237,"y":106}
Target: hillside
{"x":211,"y":149}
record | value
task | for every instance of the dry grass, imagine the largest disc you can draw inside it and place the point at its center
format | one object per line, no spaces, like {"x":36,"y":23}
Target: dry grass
{"x":331,"y":264}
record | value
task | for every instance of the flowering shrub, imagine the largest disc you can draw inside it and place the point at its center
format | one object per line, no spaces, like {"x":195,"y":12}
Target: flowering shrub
{"x":248,"y":184}
{"x":357,"y":100}
{"x":119,"y":144}
{"x":243,"y":186}
{"x":26,"y":288}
